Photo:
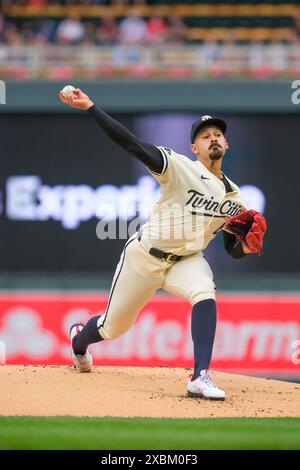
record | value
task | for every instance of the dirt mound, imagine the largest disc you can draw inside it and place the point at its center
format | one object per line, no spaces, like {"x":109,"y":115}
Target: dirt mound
{"x":136,"y":391}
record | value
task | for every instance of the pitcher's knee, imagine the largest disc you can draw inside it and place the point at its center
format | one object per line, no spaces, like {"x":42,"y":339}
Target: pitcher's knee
{"x":195,"y":297}
{"x":108,"y":332}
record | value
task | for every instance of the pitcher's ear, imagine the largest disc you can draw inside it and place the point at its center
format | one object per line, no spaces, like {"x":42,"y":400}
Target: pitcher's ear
{"x":193,"y":148}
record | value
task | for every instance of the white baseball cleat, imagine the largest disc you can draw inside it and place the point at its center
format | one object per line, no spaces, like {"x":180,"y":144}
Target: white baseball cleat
{"x":203,"y":387}
{"x":82,"y":362}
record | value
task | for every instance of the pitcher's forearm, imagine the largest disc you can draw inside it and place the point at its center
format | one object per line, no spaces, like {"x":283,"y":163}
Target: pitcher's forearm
{"x":143,"y":151}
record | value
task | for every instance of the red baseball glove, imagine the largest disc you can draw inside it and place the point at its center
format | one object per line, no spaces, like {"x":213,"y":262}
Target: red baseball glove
{"x":249,"y":227}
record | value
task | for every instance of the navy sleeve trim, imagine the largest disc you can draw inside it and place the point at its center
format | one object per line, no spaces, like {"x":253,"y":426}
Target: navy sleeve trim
{"x":165,"y":162}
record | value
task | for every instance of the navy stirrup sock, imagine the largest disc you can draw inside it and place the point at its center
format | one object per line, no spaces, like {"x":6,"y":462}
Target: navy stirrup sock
{"x":204,"y":320}
{"x":88,"y":335}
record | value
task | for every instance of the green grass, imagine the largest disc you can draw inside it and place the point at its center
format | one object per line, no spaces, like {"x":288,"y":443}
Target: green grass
{"x":142,"y":433}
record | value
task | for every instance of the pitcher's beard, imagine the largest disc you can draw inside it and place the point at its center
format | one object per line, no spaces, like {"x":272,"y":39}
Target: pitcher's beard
{"x":216,"y":153}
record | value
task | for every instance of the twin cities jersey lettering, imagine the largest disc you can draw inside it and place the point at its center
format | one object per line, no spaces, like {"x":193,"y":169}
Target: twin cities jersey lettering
{"x":192,"y":207}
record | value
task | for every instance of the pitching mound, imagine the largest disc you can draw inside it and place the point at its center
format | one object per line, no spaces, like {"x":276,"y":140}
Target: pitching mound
{"x":135,"y":391}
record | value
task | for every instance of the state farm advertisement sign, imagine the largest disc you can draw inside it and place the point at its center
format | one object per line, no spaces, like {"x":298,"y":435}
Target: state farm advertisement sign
{"x":257,"y":334}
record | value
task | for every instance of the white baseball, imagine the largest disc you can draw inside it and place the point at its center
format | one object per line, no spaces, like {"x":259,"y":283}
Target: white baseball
{"x":67,"y":90}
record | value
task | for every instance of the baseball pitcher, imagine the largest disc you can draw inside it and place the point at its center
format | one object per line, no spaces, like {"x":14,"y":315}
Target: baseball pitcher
{"x":197,"y":201}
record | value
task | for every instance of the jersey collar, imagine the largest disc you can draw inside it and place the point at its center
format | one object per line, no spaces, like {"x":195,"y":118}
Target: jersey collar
{"x":234,"y":187}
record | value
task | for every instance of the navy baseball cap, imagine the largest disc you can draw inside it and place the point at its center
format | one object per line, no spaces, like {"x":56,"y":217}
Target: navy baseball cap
{"x":207,"y":121}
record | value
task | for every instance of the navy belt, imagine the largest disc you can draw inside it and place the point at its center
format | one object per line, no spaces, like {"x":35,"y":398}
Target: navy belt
{"x":161,"y":254}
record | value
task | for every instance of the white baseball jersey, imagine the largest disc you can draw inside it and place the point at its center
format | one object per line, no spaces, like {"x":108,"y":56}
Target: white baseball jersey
{"x":192,"y":207}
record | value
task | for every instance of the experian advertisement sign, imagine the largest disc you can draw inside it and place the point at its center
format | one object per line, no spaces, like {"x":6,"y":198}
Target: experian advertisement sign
{"x":57,"y":187}
{"x":28,"y":199}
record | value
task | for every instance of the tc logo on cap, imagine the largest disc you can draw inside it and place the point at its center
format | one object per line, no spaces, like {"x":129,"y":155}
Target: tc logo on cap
{"x":204,"y":118}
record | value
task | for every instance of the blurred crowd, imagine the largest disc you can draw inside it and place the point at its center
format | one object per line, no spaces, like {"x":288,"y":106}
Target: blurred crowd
{"x":72,"y":30}
{"x":213,"y":56}
{"x":105,"y":30}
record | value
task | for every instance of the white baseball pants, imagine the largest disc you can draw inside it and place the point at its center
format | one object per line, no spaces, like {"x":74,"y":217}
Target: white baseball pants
{"x":138,"y":275}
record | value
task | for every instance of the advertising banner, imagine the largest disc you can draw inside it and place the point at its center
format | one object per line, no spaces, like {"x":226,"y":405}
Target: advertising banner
{"x":257,"y":334}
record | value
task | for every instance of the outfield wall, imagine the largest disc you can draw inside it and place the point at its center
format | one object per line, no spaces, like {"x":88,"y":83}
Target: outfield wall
{"x":256,"y":332}
{"x":126,"y":95}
